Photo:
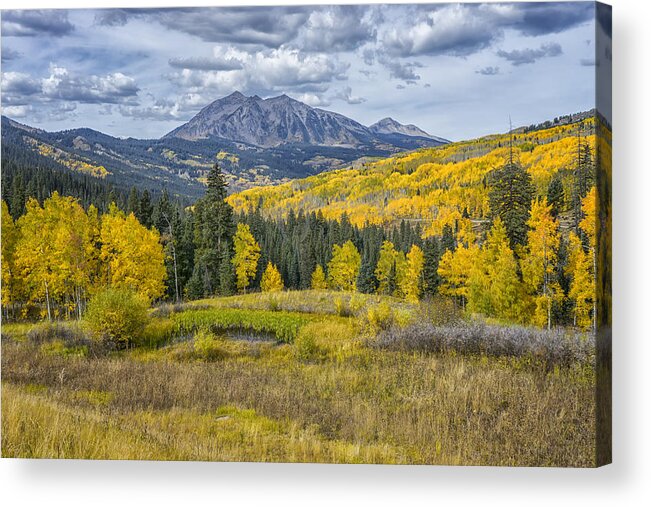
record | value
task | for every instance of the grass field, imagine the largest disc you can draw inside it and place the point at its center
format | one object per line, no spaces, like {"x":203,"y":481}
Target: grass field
{"x":322,"y":392}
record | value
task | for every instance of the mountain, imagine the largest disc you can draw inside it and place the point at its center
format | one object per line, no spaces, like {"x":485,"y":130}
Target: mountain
{"x":432,"y":187}
{"x":256,"y":142}
{"x":282,"y":120}
{"x":391,"y":126}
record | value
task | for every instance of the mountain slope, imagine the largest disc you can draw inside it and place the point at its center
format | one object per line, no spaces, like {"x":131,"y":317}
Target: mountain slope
{"x":391,"y":126}
{"x":282,"y":120}
{"x":434,"y":186}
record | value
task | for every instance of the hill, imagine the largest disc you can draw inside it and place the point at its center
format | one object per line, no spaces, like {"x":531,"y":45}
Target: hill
{"x":436,"y":186}
{"x":256,"y":142}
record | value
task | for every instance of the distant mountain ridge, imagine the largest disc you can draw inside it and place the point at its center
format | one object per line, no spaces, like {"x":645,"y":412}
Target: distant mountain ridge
{"x":282,"y":120}
{"x":391,"y":126}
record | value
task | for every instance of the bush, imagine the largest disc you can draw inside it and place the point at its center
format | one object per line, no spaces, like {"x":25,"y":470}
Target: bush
{"x":306,"y":347}
{"x":207,"y":347}
{"x":117,"y":316}
{"x":379,"y":317}
{"x":556,"y":347}
{"x":157,"y":332}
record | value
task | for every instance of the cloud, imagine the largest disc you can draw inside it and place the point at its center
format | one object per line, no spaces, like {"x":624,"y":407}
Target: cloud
{"x":313,"y":100}
{"x":35,"y":22}
{"x":9,"y":54}
{"x":163,"y":109}
{"x":338,"y":28}
{"x":16,"y":111}
{"x":464,"y":29}
{"x":346,"y":94}
{"x":266,"y":26}
{"x":397,"y":70}
{"x":109,"y":89}
{"x":263,"y":72}
{"x":526,"y":56}
{"x":400,"y":87}
{"x":588,"y":62}
{"x":203,"y":63}
{"x":18,"y":84}
{"x":488,"y":71}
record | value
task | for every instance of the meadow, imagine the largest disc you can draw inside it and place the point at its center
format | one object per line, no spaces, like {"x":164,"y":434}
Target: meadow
{"x":302,"y":376}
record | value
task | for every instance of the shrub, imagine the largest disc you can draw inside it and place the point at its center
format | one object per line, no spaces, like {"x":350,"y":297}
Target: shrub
{"x":207,"y":347}
{"x":379,"y":317}
{"x":306,"y":347}
{"x":556,"y":347}
{"x":341,"y":307}
{"x":117,"y":316}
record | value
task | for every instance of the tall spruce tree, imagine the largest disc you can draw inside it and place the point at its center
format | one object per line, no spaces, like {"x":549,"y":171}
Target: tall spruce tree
{"x":510,"y":195}
{"x":213,"y":234}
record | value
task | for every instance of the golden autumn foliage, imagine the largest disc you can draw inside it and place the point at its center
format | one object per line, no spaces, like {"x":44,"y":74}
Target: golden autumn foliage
{"x":247,"y":254}
{"x":539,"y":260}
{"x":435,"y":185}
{"x":319,"y":278}
{"x":271,"y":280}
{"x":132,"y":254}
{"x":344,"y":266}
{"x":412,"y":284}
{"x":9,"y":236}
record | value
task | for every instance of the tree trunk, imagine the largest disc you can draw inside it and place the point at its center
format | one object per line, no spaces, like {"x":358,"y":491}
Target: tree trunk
{"x":47,"y":301}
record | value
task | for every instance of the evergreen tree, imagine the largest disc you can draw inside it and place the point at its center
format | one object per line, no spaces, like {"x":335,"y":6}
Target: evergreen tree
{"x":448,"y":241}
{"x":432,"y":257}
{"x":510,"y":195}
{"x":214,"y":229}
{"x":556,"y":196}
{"x":146,"y":209}
{"x":133,"y":202}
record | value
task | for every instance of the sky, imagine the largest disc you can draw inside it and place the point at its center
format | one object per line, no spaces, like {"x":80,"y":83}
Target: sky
{"x":455,"y":70}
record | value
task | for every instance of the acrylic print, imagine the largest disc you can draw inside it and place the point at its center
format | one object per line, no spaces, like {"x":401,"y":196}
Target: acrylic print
{"x":336,"y":234}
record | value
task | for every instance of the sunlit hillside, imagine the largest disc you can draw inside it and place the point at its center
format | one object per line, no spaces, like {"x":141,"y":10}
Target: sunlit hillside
{"x":437,"y":186}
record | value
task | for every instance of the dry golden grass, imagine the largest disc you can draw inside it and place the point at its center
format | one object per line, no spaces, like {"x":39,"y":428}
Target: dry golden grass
{"x":348,"y":404}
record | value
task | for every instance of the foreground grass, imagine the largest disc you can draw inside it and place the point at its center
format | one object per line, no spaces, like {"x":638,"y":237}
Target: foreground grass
{"x":325,"y":397}
{"x":34,"y":426}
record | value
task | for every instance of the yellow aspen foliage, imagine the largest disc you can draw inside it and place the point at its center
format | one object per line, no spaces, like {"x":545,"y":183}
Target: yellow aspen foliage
{"x":132,"y":255}
{"x":344,"y":266}
{"x":9,"y":237}
{"x":318,"y":279}
{"x":386,"y":262}
{"x":582,"y":286}
{"x":493,"y":285}
{"x":271,"y":280}
{"x":413,"y":281}
{"x":56,"y":253}
{"x":539,"y":259}
{"x":247,"y":254}
{"x":454,"y":270}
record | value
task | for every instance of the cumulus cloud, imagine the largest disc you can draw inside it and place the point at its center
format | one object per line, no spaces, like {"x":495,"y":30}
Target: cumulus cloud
{"x":338,"y":28}
{"x":312,"y":99}
{"x":463,"y":29}
{"x":488,"y":71}
{"x":346,"y":94}
{"x":405,"y":71}
{"x":528,"y":55}
{"x":35,"y":22}
{"x":111,"y":88}
{"x":18,"y":84}
{"x":282,"y":69}
{"x":16,"y":111}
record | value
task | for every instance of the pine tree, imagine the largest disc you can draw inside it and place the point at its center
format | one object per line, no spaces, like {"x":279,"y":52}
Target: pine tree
{"x":214,"y":229}
{"x":431,"y":277}
{"x":510,"y":195}
{"x":146,"y":209}
{"x":556,"y":196}
{"x":133,"y":202}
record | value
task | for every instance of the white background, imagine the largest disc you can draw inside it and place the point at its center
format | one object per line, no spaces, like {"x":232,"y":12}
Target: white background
{"x":626,"y":482}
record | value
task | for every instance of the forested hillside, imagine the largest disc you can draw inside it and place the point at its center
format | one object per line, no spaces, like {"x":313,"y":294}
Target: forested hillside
{"x":446,"y":185}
